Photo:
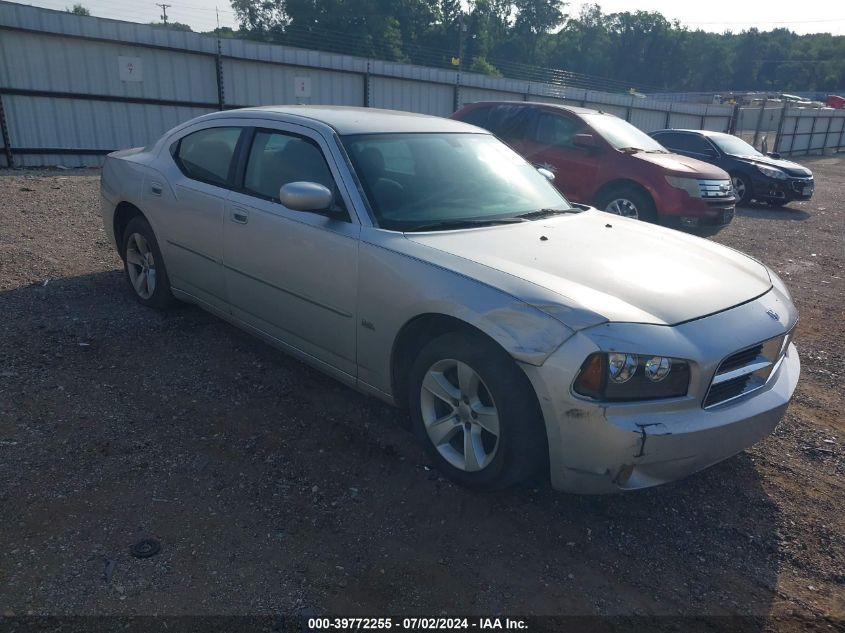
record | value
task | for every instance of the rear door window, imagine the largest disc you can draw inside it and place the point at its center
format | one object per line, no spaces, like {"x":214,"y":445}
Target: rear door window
{"x":509,"y":122}
{"x":685,"y":143}
{"x":207,"y":155}
{"x":553,"y":129}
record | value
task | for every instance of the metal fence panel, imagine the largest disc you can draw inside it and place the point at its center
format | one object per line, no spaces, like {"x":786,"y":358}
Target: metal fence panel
{"x":648,"y":120}
{"x":470,"y":95}
{"x":719,"y":123}
{"x":47,"y":56}
{"x":681,"y":121}
{"x":38,"y":123}
{"x":253,"y":84}
{"x":63,"y":64}
{"x":413,"y":96}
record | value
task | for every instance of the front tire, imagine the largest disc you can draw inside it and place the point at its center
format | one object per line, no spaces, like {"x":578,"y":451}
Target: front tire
{"x":628,"y":202}
{"x":476,"y":412}
{"x":777,"y":202}
{"x":144,"y":265}
{"x":742,"y":189}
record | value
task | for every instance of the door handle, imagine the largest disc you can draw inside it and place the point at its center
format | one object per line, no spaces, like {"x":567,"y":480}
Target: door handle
{"x":156,"y":188}
{"x":240,"y":216}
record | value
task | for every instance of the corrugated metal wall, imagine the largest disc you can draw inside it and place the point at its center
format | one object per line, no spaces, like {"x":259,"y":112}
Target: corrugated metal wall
{"x":76,"y":87}
{"x":806,"y":130}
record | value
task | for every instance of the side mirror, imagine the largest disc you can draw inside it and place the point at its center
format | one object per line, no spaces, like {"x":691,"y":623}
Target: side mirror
{"x":305,"y":196}
{"x":547,"y":174}
{"x":587,"y":141}
{"x":775,"y":155}
{"x":711,"y":153}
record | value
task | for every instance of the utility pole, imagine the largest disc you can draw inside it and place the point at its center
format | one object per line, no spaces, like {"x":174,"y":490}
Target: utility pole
{"x":164,"y":8}
{"x":461,"y":30}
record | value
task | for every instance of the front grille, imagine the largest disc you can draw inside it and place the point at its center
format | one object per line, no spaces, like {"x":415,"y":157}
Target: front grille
{"x":727,"y":390}
{"x":746,"y":370}
{"x":798,"y":184}
{"x":715,"y":189}
{"x":740,"y":359}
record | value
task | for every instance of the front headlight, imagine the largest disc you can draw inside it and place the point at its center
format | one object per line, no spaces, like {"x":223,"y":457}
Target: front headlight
{"x":772,"y":172}
{"x":619,"y":377}
{"x":690,"y":185}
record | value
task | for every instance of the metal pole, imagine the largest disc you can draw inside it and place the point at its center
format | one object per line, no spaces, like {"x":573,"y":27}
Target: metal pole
{"x":703,"y":118}
{"x":794,"y":132}
{"x":780,"y":126}
{"x":812,"y":132}
{"x":4,"y":131}
{"x":841,"y":134}
{"x":368,"y":87}
{"x":628,"y":110}
{"x":734,"y":119}
{"x":826,"y":133}
{"x":759,"y":122}
{"x":218,"y":62}
{"x":668,"y":117}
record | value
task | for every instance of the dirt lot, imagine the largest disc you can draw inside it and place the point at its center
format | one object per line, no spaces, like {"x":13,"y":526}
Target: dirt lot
{"x":273,"y":489}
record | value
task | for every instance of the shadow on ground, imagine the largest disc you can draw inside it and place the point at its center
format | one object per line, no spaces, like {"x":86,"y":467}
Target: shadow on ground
{"x":272,"y":487}
{"x":759,"y":211}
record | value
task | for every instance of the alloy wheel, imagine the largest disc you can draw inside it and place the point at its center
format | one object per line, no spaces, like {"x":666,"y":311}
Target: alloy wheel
{"x":739,"y":187}
{"x":624,"y":207}
{"x":140,"y":263}
{"x":459,"y":415}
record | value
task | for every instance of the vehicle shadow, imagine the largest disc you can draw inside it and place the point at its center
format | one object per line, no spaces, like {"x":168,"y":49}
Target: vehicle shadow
{"x":273,"y":487}
{"x":790,"y":212}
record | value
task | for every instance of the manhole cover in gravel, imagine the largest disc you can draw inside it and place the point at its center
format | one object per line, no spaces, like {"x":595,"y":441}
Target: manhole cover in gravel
{"x":145,"y":548}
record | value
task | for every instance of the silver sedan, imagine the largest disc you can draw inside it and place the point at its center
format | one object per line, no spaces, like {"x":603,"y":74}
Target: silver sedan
{"x":422,"y":261}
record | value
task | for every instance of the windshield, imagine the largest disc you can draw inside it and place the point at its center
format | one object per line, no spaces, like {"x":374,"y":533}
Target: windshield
{"x":734,"y":145}
{"x":415,"y":181}
{"x":621,"y":134}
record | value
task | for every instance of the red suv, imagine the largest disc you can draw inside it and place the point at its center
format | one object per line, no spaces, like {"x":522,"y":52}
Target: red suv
{"x":604,"y":161}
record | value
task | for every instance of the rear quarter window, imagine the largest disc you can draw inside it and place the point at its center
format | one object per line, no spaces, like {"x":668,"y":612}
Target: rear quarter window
{"x":207,"y":155}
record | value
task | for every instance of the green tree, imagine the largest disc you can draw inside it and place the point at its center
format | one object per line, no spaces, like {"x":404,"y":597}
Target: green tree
{"x":174,"y":26}
{"x":535,"y":18}
{"x":78,"y":9}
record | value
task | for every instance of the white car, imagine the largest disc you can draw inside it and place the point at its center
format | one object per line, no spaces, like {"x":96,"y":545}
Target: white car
{"x":420,"y":260}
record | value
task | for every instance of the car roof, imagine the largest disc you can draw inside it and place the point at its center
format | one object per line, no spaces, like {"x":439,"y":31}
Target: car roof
{"x":699,"y":132}
{"x":354,"y":120}
{"x":556,"y":106}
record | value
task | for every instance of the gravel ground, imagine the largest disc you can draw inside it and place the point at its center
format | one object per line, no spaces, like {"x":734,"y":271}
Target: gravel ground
{"x":272,"y":488}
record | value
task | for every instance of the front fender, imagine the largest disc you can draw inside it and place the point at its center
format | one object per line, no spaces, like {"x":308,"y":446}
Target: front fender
{"x":395,"y":287}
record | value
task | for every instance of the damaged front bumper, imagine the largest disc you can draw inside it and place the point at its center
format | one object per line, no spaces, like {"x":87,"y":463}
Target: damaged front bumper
{"x":599,"y":448}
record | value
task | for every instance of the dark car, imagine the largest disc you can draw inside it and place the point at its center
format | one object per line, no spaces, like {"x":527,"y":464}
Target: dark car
{"x":604,"y":161}
{"x":763,"y":177}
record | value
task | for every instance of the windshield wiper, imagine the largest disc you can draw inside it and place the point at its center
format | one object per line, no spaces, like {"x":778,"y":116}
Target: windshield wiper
{"x":464,"y":223}
{"x":544,"y":213}
{"x":631,"y":150}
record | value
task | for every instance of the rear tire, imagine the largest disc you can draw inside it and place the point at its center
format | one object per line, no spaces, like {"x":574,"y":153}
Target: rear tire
{"x":476,"y":412}
{"x":628,"y":201}
{"x":144,"y":265}
{"x":778,"y":202}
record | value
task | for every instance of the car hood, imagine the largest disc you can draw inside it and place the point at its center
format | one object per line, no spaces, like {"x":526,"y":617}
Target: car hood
{"x":683,"y":166}
{"x":793,"y":169}
{"x":594,"y":263}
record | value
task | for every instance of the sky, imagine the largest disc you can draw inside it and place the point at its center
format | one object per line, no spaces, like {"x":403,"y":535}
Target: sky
{"x":805,"y":16}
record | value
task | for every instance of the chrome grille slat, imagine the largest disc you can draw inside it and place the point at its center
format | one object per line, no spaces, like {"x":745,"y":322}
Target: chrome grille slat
{"x":741,"y":358}
{"x":715,"y":188}
{"x":745,"y":371}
